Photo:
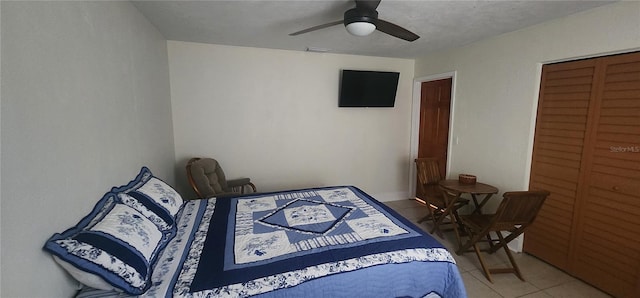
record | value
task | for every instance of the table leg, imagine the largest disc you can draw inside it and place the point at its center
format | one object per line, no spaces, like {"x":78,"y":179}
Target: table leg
{"x":484,"y":201}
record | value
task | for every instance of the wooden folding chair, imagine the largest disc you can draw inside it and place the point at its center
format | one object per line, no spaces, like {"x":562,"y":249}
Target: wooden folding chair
{"x":516,"y":212}
{"x":429,"y":191}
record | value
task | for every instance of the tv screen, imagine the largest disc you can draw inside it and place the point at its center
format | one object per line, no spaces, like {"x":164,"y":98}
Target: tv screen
{"x":360,"y":88}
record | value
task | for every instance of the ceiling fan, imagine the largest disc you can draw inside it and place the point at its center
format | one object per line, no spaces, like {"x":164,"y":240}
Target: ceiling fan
{"x":363,"y":20}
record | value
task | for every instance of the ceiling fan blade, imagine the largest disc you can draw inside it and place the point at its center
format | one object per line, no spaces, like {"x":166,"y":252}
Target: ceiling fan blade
{"x":316,"y":28}
{"x":367,"y":4}
{"x":395,"y":30}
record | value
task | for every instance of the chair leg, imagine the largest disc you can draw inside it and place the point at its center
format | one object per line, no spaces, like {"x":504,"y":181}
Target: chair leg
{"x":513,"y":234}
{"x":447,"y":212}
{"x":455,"y":219}
{"x":436,"y":224}
{"x":494,"y":243}
{"x":425,"y":218}
{"x":514,"y":266}
{"x":487,"y":271}
{"x":451,"y":211}
{"x":474,"y":237}
{"x":436,"y":220}
{"x":428,"y":216}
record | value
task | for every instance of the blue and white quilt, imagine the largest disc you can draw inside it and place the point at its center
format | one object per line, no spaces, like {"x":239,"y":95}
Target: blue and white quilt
{"x":322,"y":242}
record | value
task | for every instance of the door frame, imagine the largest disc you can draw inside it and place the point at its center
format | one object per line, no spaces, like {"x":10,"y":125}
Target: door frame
{"x":415,"y":123}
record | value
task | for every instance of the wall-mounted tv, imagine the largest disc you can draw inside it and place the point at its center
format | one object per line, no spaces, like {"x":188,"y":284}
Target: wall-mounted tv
{"x":361,"y":88}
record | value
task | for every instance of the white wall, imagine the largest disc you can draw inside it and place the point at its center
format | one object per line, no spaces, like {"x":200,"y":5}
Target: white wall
{"x":498,"y":82}
{"x":85,"y":103}
{"x":273,"y":115}
{"x":0,"y":158}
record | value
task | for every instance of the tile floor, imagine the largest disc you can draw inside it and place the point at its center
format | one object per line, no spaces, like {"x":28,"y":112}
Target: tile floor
{"x":542,"y":279}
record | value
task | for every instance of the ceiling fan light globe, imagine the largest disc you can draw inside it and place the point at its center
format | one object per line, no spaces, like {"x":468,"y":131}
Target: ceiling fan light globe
{"x":360,"y":28}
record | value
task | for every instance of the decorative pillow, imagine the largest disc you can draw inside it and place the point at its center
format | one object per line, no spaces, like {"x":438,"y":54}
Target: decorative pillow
{"x":115,"y":246}
{"x":152,"y":197}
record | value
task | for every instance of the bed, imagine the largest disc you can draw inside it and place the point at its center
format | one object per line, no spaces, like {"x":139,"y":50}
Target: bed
{"x":319,"y":242}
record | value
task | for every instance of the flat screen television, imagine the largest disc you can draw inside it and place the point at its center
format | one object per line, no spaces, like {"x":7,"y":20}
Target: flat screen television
{"x":361,"y":88}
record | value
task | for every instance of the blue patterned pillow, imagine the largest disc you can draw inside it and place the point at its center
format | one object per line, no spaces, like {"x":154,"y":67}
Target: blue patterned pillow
{"x":114,"y":247}
{"x":152,"y":197}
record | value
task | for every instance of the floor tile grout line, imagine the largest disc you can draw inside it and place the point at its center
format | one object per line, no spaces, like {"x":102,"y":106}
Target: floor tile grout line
{"x":482,"y":283}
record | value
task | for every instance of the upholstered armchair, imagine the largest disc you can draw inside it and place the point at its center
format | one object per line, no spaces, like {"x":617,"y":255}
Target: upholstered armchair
{"x":208,"y":180}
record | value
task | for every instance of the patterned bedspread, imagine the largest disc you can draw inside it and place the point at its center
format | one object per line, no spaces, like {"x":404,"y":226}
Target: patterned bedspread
{"x":324,"y":242}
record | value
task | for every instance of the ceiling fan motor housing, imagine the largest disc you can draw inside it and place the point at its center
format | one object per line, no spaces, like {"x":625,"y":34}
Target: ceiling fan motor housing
{"x":360,"y":15}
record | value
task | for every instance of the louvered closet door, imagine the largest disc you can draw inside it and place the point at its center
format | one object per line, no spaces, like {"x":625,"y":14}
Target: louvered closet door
{"x":565,"y":94}
{"x":607,"y":239}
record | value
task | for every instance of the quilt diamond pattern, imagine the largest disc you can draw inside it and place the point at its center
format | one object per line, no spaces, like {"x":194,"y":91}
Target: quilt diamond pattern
{"x":307,"y":216}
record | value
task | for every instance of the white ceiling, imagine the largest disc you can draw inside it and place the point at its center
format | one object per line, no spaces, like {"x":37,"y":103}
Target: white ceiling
{"x":267,"y":23}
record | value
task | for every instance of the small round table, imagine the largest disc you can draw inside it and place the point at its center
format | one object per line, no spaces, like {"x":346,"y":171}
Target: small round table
{"x":473,"y":189}
{"x":457,"y":189}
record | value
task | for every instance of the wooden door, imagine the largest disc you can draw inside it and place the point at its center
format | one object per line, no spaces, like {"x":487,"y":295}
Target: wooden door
{"x":435,"y":105}
{"x":587,"y":154}
{"x":561,"y":127}
{"x":607,"y":235}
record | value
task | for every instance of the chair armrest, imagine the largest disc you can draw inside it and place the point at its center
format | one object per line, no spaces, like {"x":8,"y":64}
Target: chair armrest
{"x":239,"y":184}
